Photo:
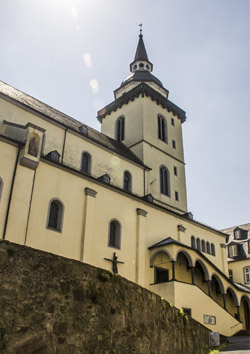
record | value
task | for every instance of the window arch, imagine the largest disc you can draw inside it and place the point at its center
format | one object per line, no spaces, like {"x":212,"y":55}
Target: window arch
{"x":127,"y":181}
{"x":164,"y":181}
{"x":120,"y":128}
{"x":1,"y":187}
{"x":208,"y":248}
{"x":203,"y":246}
{"x":86,"y":162}
{"x":162,"y":128}
{"x":114,"y":234}
{"x":212,"y":249}
{"x":198,"y":242}
{"x":193,"y":243}
{"x":55,"y":215}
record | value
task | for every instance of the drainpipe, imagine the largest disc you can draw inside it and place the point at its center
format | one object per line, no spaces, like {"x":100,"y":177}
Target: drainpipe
{"x":11,"y":192}
{"x":64,"y":140}
{"x":28,"y":218}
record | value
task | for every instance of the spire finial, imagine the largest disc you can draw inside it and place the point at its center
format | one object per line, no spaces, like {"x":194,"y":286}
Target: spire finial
{"x":140,"y":25}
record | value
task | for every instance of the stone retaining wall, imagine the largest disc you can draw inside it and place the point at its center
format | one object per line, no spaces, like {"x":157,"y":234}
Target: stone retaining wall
{"x":50,"y":304}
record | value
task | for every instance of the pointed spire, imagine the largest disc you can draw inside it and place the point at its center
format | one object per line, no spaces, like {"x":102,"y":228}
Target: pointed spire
{"x":141,"y":61}
{"x":141,"y":53}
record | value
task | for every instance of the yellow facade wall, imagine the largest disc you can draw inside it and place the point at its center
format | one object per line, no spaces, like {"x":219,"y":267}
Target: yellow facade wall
{"x":200,"y":305}
{"x":102,"y":161}
{"x":7,"y":163}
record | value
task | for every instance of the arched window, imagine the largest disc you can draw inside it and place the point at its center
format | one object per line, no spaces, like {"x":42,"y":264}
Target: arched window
{"x":55,"y":215}
{"x":1,"y":187}
{"x":164,"y":181}
{"x":212,"y":249}
{"x":127,"y":181}
{"x":208,"y":248}
{"x":162,"y":129}
{"x":86,"y":162}
{"x":198,"y":242}
{"x":193,"y":243}
{"x":120,"y":129}
{"x":114,"y":234}
{"x":203,"y":246}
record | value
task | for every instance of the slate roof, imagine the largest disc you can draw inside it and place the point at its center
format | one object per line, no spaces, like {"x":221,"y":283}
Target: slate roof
{"x":143,"y":75}
{"x":144,"y":90}
{"x":59,"y":117}
{"x":141,"y":53}
{"x":166,"y":241}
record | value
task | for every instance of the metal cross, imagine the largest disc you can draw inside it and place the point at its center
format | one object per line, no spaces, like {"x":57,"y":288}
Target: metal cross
{"x":114,"y":263}
{"x":140,"y":25}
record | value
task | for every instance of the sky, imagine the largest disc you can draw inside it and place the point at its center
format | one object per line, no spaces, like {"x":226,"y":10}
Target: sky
{"x":72,"y":55}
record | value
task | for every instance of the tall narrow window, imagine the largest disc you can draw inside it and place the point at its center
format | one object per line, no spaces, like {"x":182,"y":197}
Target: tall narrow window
{"x":233,"y":252}
{"x":120,"y":129}
{"x":208,"y":248}
{"x":203,"y":246}
{"x":162,"y":129}
{"x":198,"y":244}
{"x":55,"y":215}
{"x":127,"y":181}
{"x":164,"y":181}
{"x":114,"y":234}
{"x":86,"y":163}
{"x":247,"y":275}
{"x":237,"y":234}
{"x":212,"y":249}
{"x":193,"y":243}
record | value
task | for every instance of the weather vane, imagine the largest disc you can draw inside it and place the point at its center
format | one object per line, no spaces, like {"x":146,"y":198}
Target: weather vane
{"x":140,"y":25}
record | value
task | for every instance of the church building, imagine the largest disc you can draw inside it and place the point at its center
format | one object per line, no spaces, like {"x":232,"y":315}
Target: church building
{"x":116,"y":199}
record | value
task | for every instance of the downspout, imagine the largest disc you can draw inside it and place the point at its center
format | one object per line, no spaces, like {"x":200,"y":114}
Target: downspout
{"x":28,"y":218}
{"x":144,"y":177}
{"x":11,"y":192}
{"x":64,"y":140}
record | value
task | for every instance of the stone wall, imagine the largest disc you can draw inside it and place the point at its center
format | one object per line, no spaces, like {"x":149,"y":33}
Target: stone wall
{"x":50,"y":304}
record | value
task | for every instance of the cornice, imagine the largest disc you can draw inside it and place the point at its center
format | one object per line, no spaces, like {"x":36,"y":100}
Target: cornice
{"x":144,"y":90}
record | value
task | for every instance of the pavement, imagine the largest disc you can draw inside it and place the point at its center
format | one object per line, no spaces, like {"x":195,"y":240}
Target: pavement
{"x":237,"y":345}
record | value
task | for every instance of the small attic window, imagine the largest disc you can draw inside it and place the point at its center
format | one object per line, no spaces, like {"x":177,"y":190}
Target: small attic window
{"x":83,"y":129}
{"x":141,"y":65}
{"x":149,"y":198}
{"x":53,"y":155}
{"x":135,"y":67}
{"x":105,"y":178}
{"x":147,"y":66}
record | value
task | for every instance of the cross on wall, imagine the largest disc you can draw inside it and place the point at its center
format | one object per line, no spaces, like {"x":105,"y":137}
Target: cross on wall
{"x":114,"y":263}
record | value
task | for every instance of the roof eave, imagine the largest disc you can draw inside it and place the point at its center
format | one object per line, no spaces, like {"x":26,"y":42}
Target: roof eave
{"x":143,"y":89}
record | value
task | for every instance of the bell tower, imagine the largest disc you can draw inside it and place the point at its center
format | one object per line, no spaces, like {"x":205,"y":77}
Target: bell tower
{"x":143,"y":118}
